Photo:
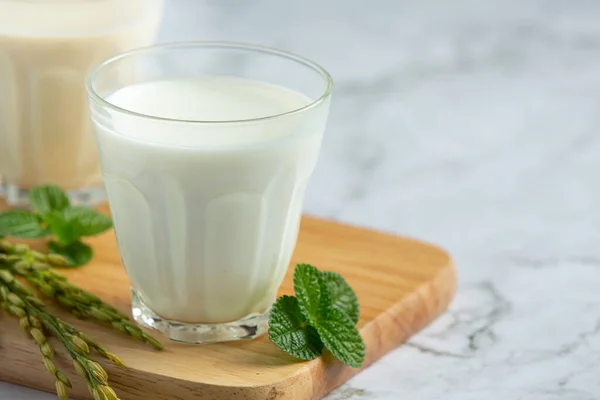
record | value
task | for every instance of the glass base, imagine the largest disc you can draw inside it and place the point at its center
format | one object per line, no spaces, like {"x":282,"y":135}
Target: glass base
{"x":247,"y":328}
{"x":19,"y":198}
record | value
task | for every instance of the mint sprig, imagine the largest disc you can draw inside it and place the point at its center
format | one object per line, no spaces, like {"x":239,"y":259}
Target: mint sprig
{"x":53,"y":215}
{"x":312,"y":293}
{"x":323,"y":314}
{"x":73,"y":223}
{"x":44,"y":199}
{"x":342,"y":296}
{"x":289,"y":329}
{"x":22,"y":224}
{"x":340,"y":336}
{"x":76,"y":253}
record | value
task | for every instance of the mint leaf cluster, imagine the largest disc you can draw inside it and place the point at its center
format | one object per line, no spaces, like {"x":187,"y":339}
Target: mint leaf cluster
{"x":323,"y":314}
{"x":53,"y":215}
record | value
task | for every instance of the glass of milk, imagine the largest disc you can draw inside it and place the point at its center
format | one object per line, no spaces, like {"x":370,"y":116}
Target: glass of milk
{"x":46,"y":49}
{"x":206,"y":152}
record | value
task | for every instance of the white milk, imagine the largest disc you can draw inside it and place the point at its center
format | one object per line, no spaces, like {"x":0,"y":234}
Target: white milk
{"x":207,"y":214}
{"x":46,"y":49}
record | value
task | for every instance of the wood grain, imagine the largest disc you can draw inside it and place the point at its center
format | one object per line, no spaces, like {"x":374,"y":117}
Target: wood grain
{"x":402,"y":286}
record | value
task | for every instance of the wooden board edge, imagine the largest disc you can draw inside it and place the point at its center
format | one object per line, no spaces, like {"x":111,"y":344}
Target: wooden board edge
{"x":323,"y":375}
{"x":392,"y":329}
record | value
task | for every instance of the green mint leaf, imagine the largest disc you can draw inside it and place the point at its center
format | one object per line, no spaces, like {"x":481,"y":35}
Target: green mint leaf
{"x":289,"y":330}
{"x":342,"y":296}
{"x":21,"y":224}
{"x":76,"y":253}
{"x":73,"y":223}
{"x":339,"y":334}
{"x":44,"y":199}
{"x":312,"y":293}
{"x":61,"y":227}
{"x":86,"y":221}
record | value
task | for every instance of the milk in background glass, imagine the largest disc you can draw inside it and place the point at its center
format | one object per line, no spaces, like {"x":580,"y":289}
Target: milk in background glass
{"x":205,"y":175}
{"x":46,"y":49}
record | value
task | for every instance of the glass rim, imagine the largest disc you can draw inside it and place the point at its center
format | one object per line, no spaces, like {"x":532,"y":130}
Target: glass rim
{"x":95,"y":96}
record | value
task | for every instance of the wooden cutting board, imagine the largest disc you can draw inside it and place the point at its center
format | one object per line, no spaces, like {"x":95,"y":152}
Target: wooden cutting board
{"x":402,"y":285}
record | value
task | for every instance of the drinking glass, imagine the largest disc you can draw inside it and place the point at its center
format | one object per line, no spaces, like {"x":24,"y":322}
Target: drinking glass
{"x":207,"y":209}
{"x":46,"y":49}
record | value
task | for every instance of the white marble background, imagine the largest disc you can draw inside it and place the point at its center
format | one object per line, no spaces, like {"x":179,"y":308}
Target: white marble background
{"x":473,"y":124}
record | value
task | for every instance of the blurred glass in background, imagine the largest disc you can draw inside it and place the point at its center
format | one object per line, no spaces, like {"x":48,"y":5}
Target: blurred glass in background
{"x":46,"y":50}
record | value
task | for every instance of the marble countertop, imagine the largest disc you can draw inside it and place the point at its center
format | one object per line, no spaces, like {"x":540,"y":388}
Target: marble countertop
{"x":472,"y":124}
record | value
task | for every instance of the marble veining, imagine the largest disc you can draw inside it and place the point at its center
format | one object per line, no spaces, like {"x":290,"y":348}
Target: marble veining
{"x":472,"y":124}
